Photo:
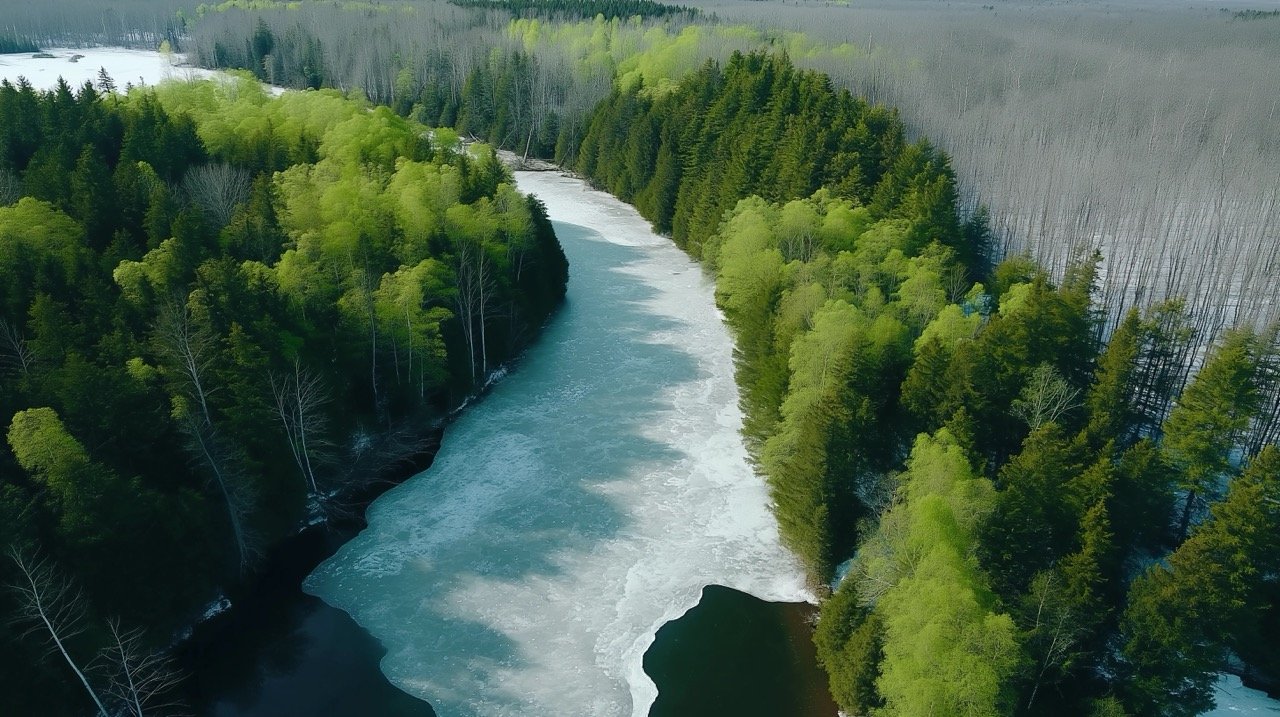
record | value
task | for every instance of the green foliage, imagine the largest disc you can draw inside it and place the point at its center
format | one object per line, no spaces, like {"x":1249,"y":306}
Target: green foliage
{"x":850,"y":642}
{"x":171,"y":360}
{"x":1181,"y":617}
{"x":1034,"y":521}
{"x":947,"y":650}
{"x":1213,"y":412}
{"x":759,"y":126}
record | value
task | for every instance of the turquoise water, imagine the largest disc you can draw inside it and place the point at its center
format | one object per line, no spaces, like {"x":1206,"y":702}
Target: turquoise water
{"x":581,"y":505}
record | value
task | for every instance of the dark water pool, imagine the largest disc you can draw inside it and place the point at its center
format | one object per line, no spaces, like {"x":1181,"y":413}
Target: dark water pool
{"x":733,"y":654}
{"x":282,"y":653}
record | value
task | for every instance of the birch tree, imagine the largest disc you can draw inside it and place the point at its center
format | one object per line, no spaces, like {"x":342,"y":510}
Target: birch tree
{"x":10,"y":187}
{"x":1045,"y":397}
{"x":300,"y":397}
{"x":17,"y":352}
{"x":474,"y":274}
{"x":51,"y":606}
{"x":142,"y":680}
{"x":191,"y":350}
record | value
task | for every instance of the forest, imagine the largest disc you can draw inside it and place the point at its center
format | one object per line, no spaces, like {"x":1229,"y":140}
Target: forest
{"x":221,"y":312}
{"x":988,"y":575}
{"x":1016,"y":401}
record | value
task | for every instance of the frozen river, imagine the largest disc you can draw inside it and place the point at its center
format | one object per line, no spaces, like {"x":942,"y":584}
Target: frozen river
{"x":582,"y":504}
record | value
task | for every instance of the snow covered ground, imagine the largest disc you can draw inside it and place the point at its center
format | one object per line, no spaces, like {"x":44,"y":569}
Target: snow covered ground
{"x":125,"y":67}
{"x":582,"y":504}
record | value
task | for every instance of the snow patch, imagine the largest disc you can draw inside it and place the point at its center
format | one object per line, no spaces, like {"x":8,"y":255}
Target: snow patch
{"x":215,"y":608}
{"x":136,"y":67}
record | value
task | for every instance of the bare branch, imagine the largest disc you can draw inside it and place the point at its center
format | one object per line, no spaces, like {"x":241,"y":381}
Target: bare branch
{"x":16,"y":351}
{"x":191,"y":348}
{"x":1045,"y":398}
{"x":50,"y":604}
{"x":236,"y":491}
{"x":142,"y":680}
{"x":299,"y":398}
{"x":217,"y":189}
{"x":10,"y":187}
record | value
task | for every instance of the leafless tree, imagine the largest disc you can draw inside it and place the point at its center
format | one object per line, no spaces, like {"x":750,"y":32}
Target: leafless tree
{"x":10,"y":187}
{"x":49,"y":604}
{"x":955,"y":281}
{"x":473,"y":298}
{"x":15,"y":349}
{"x":223,"y":461}
{"x":300,"y":397}
{"x":191,"y":348}
{"x":217,"y":189}
{"x":1045,"y":398}
{"x":1055,"y":629}
{"x":142,"y":680}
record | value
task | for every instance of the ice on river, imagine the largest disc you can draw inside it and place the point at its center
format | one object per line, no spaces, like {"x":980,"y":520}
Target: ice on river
{"x":136,"y":67}
{"x":582,"y":504}
{"x":1236,"y":700}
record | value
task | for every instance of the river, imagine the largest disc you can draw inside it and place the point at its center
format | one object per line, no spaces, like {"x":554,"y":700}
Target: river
{"x":583,"y":504}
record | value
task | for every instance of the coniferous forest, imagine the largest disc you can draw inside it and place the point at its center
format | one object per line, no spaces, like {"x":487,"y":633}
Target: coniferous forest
{"x":1016,"y":493}
{"x":222,"y":311}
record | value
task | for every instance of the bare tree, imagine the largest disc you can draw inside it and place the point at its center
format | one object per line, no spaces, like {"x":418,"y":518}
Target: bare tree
{"x":955,"y":281}
{"x":191,"y":348}
{"x":218,"y":189}
{"x":222,"y":463}
{"x":475,"y":284}
{"x":10,"y":187}
{"x":1055,"y":630}
{"x":1265,"y":428}
{"x":1045,"y":398}
{"x":16,"y":351}
{"x":142,"y":680}
{"x":50,"y":604}
{"x":300,"y":397}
